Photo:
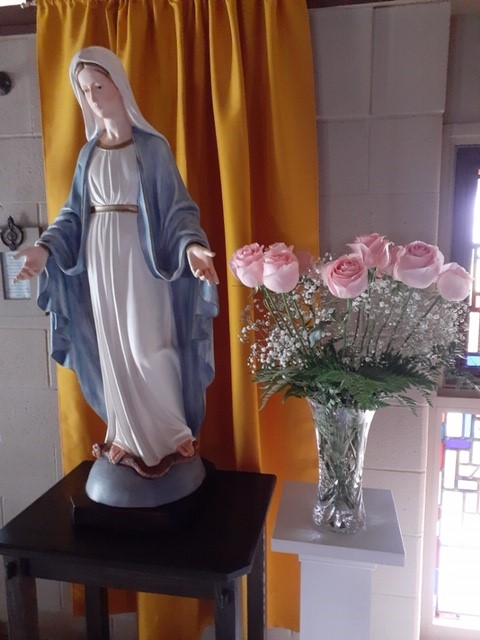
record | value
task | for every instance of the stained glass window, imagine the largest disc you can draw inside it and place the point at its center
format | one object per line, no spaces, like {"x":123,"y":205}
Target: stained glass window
{"x":457,"y":584}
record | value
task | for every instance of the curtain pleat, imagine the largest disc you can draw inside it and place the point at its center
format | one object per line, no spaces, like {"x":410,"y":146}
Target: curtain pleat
{"x":230,"y":84}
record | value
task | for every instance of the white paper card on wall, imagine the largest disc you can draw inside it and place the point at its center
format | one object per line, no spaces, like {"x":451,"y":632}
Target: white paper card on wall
{"x":17,"y":299}
{"x":10,"y":269}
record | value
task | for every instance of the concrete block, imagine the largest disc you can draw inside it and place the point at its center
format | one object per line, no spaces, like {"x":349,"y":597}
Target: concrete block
{"x":402,"y":581}
{"x":25,"y":214}
{"x":403,"y":217}
{"x":343,"y":157}
{"x":410,"y":56}
{"x":49,"y":595}
{"x":342,"y":51}
{"x":19,"y":109}
{"x":408,"y":491}
{"x":394,"y":618}
{"x":21,"y":170}
{"x":29,"y":449}
{"x":405,"y":155}
{"x":123,"y":626}
{"x":23,"y":359}
{"x":463,"y":83}
{"x":398,"y":440}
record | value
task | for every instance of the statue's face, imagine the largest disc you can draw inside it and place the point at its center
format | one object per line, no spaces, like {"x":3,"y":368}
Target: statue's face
{"x":101,"y":93}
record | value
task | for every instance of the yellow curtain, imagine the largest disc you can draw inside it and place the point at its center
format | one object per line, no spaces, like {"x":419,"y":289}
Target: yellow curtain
{"x":230,"y":84}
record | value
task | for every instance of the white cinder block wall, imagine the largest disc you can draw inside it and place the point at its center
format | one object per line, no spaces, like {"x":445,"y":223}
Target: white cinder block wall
{"x":29,"y":440}
{"x":380,"y":75}
{"x":380,"y":90}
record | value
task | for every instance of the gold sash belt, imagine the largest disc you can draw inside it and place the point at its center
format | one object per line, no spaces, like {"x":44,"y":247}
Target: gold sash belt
{"x":129,"y":208}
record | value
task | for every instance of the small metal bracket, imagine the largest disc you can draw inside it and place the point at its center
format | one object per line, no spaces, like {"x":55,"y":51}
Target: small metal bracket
{"x":11,"y":234}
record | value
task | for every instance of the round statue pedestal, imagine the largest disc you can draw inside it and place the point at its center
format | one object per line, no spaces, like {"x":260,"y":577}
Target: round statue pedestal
{"x":121,"y":486}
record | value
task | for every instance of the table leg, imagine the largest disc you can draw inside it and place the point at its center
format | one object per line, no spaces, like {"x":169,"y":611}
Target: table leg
{"x":228,"y":613}
{"x":96,"y":613}
{"x":256,"y":593}
{"x":22,"y":608}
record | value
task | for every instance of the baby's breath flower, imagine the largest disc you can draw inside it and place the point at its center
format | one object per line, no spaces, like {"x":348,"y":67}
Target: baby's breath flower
{"x":298,"y":340}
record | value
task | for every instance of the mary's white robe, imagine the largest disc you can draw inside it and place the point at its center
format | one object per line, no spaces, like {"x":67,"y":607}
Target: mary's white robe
{"x":133,"y":316}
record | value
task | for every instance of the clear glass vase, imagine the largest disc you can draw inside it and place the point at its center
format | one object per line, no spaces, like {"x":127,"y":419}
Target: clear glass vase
{"x":341,"y":442}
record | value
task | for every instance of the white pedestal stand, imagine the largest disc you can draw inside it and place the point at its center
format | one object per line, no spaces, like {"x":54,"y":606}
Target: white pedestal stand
{"x":336,"y":569}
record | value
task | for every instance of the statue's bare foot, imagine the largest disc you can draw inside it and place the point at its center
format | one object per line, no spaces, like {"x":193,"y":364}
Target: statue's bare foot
{"x":97,"y":451}
{"x":184,"y":453}
{"x":112,"y":452}
{"x":186,"y":448}
{"x":115,"y":454}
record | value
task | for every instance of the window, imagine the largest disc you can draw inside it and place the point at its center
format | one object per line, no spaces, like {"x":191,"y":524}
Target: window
{"x":451,"y":587}
{"x":457,"y":570}
{"x":466,"y":238}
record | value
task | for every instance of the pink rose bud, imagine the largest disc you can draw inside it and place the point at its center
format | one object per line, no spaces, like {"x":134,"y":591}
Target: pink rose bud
{"x":418,"y":265}
{"x":247,"y":265}
{"x":373,"y":249}
{"x":346,"y":277}
{"x":454,"y":282}
{"x":280,"y":271}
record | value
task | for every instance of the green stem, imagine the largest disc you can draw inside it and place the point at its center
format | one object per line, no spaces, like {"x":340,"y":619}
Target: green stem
{"x":277,"y":315}
{"x":400,"y":318}
{"x":300,"y":317}
{"x":419,"y":321}
{"x":346,"y":318}
{"x":385,"y":324}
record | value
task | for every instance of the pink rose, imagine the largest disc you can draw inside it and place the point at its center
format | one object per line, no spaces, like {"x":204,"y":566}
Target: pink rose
{"x":346,"y":277}
{"x":418,"y":265}
{"x":374,"y":250}
{"x":247,"y":265}
{"x":280,"y":269}
{"x":454,"y":282}
{"x":393,"y":255}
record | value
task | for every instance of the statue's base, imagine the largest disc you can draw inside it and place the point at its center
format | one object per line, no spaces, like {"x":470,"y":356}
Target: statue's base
{"x":133,"y":503}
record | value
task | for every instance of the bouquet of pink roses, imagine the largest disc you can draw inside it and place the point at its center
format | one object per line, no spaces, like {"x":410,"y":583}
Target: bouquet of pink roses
{"x":359,"y":331}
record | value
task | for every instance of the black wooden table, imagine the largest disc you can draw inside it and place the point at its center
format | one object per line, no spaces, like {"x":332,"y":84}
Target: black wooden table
{"x":206,"y":558}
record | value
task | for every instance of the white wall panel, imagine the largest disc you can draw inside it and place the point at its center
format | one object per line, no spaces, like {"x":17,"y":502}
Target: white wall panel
{"x":403,"y":217}
{"x":410,"y":58}
{"x":23,"y":359}
{"x":342,"y":49}
{"x":19,"y":113}
{"x":405,"y":155}
{"x":401,"y":581}
{"x":408,"y":491}
{"x":343,"y":157}
{"x":21,"y":170}
{"x":407,"y":441}
{"x":463,"y":87}
{"x":394,"y":618}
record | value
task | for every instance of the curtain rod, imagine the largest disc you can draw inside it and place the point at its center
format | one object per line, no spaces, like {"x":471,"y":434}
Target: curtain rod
{"x":311,"y":4}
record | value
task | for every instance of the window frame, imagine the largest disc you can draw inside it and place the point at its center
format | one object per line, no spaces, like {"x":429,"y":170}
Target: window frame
{"x":446,"y":400}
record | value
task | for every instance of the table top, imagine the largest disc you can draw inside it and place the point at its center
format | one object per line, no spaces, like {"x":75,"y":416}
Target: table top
{"x":379,"y":543}
{"x":219,"y":541}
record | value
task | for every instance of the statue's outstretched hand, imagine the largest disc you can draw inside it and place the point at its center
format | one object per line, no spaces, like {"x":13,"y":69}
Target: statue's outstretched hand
{"x":201,"y":263}
{"x":35,"y":260}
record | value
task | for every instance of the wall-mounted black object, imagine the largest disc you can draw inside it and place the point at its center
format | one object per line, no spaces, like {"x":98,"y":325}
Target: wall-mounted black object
{"x":11,"y":234}
{"x":5,"y":83}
